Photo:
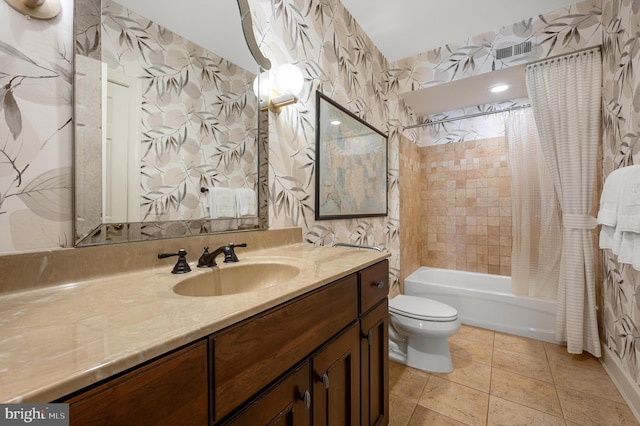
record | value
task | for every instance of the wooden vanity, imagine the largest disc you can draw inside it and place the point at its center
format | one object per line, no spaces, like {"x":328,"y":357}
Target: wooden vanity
{"x":320,"y":358}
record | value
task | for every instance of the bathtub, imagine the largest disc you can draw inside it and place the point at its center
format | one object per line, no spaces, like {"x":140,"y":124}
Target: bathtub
{"x":485,"y":300}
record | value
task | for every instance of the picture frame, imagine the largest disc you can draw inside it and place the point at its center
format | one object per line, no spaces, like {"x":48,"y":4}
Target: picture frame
{"x":351,"y":164}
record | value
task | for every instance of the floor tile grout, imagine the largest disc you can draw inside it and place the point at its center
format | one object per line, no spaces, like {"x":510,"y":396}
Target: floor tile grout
{"x":550,"y":412}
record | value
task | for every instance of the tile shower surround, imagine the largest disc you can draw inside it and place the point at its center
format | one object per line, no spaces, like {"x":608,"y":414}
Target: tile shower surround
{"x":411,"y":171}
{"x":466,"y":200}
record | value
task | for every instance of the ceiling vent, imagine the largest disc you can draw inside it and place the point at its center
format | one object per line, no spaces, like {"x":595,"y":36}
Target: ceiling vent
{"x":516,"y":51}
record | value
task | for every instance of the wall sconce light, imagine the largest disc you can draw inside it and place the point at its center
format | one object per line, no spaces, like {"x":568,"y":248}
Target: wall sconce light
{"x":38,"y":9}
{"x":278,"y":88}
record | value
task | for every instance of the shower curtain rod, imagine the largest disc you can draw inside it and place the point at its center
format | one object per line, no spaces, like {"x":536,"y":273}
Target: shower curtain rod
{"x":462,"y":117}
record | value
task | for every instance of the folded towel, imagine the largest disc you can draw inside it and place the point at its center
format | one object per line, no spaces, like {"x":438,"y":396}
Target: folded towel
{"x":611,"y":191}
{"x":246,"y":202}
{"x":222,"y":203}
{"x":629,"y":249}
{"x":619,"y":215}
{"x":629,"y":204}
{"x":608,"y":238}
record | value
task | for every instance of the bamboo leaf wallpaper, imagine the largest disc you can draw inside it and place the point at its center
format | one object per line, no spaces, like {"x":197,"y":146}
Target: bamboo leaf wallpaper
{"x":338,"y":59}
{"x":621,"y":124}
{"x":35,"y":131}
{"x":195,"y":109}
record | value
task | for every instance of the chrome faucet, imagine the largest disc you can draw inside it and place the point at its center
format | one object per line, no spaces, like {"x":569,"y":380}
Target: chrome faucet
{"x":208,"y":260}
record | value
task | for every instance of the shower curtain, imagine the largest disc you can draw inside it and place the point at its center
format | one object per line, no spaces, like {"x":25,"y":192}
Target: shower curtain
{"x":537,"y":237}
{"x":565,"y":95}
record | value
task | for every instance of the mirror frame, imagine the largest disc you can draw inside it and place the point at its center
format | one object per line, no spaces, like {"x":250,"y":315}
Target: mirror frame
{"x":88,"y":203}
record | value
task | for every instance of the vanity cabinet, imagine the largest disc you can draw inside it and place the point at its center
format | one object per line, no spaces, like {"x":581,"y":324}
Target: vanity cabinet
{"x":319,"y":359}
{"x":172,"y":390}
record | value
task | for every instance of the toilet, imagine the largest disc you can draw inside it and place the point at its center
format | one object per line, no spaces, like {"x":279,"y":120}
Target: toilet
{"x":419,"y":330}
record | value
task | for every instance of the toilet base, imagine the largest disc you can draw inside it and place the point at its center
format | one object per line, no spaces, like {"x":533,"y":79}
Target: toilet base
{"x":430,"y":355}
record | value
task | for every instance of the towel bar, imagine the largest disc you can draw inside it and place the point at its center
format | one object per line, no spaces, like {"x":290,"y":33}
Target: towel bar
{"x":357,"y":246}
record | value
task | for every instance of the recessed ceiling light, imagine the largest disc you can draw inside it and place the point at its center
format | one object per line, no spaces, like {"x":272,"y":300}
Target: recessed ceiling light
{"x":335,"y":122}
{"x":499,"y":88}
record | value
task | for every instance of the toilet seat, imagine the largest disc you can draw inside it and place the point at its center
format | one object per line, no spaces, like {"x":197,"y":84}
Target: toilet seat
{"x":422,"y":309}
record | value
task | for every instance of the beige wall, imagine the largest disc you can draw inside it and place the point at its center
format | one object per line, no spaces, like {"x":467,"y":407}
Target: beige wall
{"x":467,"y":207}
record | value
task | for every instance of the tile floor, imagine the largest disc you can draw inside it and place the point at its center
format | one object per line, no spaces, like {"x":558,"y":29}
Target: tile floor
{"x":500,"y":379}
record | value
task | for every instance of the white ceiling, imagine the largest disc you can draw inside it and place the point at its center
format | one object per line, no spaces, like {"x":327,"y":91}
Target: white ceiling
{"x":403,"y":28}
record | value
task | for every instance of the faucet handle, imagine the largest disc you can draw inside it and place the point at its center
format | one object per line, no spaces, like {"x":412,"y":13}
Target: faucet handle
{"x":181,"y":266}
{"x":230,"y":254}
{"x":206,"y":260}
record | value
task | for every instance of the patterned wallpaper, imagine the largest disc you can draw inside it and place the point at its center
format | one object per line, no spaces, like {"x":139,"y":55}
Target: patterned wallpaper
{"x":35,"y":130}
{"x":621,"y":135}
{"x":337,"y":58}
{"x":198,"y":115}
{"x":562,"y":31}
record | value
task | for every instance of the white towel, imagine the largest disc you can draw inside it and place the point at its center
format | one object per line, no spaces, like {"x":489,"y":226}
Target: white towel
{"x":608,"y":211}
{"x":619,"y":215}
{"x":246,"y":202}
{"x":629,"y":204}
{"x":222,"y":203}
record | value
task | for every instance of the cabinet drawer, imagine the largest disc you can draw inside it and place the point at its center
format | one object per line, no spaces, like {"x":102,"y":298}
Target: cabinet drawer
{"x":374,"y":285}
{"x":286,"y":402}
{"x":252,"y":354}
{"x":169,"y":391}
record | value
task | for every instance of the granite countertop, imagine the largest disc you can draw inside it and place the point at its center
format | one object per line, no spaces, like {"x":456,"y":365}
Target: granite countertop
{"x":56,"y":340}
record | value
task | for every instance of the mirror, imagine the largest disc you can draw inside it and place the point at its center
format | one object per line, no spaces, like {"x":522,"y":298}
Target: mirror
{"x":164,"y":110}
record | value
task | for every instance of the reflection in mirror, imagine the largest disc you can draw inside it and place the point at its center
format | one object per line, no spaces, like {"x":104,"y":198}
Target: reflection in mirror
{"x":159,"y":118}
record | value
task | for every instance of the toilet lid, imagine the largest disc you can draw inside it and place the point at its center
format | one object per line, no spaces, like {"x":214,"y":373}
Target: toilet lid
{"x":422,"y":308}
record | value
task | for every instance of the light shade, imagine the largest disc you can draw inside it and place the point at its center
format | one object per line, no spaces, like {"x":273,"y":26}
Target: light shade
{"x":289,"y":80}
{"x":279,"y":87}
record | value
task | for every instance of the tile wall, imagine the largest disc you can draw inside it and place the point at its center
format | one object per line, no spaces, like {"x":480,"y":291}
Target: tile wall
{"x":467,"y":201}
{"x":411,"y":166}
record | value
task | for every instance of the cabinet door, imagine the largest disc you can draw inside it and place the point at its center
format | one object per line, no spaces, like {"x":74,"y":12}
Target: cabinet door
{"x":374,"y":365}
{"x":169,"y":391}
{"x":336,"y":380}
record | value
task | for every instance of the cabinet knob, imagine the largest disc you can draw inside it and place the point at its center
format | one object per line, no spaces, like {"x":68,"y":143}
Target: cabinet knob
{"x":306,"y":399}
{"x":325,"y":380}
{"x":380,"y":284}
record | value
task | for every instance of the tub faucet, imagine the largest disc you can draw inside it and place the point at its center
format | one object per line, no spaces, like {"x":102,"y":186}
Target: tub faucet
{"x":208,"y":260}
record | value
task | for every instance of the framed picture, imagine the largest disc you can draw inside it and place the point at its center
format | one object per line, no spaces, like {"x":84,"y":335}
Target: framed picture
{"x":351,"y":164}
